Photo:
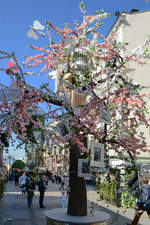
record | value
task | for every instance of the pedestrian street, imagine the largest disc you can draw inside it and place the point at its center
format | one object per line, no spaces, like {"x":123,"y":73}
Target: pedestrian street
{"x":15,"y":211}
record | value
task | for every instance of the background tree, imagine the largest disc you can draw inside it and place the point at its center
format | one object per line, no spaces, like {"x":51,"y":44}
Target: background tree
{"x":19,"y":164}
{"x":90,"y":66}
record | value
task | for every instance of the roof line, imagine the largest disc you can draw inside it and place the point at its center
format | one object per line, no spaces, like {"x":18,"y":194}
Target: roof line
{"x":140,"y":11}
{"x":124,"y":12}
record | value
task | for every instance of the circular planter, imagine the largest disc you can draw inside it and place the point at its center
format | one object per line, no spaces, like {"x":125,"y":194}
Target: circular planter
{"x":59,"y":216}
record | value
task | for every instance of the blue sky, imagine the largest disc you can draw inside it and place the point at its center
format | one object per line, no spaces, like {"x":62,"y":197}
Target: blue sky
{"x":16,"y":16}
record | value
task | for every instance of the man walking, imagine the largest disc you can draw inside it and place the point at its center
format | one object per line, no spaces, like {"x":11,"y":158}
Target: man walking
{"x":22,"y":182}
{"x":41,"y":188}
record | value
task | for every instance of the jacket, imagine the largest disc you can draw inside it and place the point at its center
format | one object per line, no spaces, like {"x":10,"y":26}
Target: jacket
{"x":41,"y":186}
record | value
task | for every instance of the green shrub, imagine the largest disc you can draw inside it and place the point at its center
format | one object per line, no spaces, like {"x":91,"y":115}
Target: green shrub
{"x":108,"y":189}
{"x":127,"y":202}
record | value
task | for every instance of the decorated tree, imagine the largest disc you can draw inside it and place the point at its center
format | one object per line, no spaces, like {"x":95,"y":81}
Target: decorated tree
{"x":90,"y":70}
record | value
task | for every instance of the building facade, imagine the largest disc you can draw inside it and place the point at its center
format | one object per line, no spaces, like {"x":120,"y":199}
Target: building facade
{"x":134,"y":30}
{"x":56,"y":160}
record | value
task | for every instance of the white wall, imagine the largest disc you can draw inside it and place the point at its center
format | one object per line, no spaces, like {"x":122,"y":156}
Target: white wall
{"x":134,"y":30}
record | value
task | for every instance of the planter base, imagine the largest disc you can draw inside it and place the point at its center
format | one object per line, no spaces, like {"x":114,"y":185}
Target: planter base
{"x":59,"y":216}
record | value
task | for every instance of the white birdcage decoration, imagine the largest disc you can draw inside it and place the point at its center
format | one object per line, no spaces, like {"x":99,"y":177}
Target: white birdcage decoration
{"x":80,"y":62}
{"x":145,"y":172}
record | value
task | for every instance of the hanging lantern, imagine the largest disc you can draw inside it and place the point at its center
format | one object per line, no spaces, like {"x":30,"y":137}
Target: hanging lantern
{"x":80,"y":62}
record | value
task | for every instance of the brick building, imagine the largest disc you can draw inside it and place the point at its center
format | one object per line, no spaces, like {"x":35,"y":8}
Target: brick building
{"x":57,"y":160}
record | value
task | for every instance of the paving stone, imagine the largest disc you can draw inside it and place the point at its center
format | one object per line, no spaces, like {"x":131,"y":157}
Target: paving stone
{"x":14,"y":205}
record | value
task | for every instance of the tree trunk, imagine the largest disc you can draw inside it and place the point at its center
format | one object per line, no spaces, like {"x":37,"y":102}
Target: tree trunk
{"x":77,"y":202}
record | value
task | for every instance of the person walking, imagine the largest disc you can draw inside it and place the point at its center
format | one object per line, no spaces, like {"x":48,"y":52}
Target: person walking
{"x":59,"y":179}
{"x":16,"y":177}
{"x":62,"y":185}
{"x":68,"y":190}
{"x":63,"y":199}
{"x":22,"y":182}
{"x":52,"y":179}
{"x":30,"y":187}
{"x":11,"y":177}
{"x":46,"y":180}
{"x":41,"y":188}
{"x":56,"y":179}
{"x":143,"y":203}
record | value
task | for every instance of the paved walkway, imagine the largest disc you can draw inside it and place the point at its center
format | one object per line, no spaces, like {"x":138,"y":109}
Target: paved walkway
{"x":14,"y":210}
{"x":119,"y":216}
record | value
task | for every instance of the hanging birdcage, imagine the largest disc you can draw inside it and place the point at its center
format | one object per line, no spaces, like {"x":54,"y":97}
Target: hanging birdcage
{"x":145,"y":172}
{"x":80,"y":62}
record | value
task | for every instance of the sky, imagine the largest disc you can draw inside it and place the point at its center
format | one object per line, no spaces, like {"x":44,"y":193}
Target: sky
{"x":16,"y":16}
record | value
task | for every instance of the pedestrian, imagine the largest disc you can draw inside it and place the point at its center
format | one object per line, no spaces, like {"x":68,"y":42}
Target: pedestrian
{"x":22,"y":182}
{"x":16,"y":177}
{"x":52,"y":179}
{"x":63,"y":199}
{"x":48,"y":174}
{"x":46,"y":180}
{"x":56,"y":179}
{"x":59,"y":179}
{"x":62,"y":185}
{"x":41,"y":188}
{"x":30,"y":187}
{"x":143,"y":203}
{"x":68,"y":190}
{"x":11,"y":177}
